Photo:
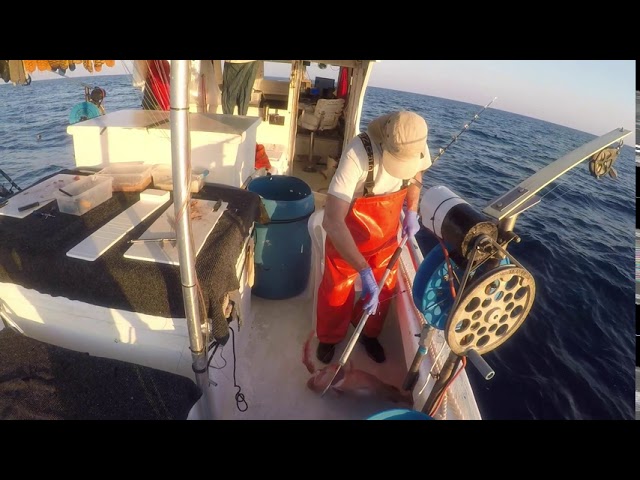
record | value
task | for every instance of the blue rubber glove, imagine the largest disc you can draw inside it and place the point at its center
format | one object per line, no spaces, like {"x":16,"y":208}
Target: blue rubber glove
{"x":410,"y":225}
{"x":370,"y":291}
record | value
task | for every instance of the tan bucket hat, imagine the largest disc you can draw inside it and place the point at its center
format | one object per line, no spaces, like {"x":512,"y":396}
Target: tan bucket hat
{"x":403,"y":136}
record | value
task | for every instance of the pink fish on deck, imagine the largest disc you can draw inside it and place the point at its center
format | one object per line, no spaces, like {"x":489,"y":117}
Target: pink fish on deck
{"x":350,"y":381}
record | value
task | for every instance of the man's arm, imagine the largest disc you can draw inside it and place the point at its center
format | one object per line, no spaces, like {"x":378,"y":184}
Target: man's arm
{"x":335,"y":211}
{"x":413,"y":191}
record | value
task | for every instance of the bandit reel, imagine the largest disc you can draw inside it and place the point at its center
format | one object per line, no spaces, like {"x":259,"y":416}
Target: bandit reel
{"x":492,"y":297}
{"x":487,"y":303}
{"x":469,"y":286}
{"x":490,"y":310}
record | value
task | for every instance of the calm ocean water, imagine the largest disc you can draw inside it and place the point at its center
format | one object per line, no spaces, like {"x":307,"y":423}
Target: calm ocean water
{"x":574,"y":356}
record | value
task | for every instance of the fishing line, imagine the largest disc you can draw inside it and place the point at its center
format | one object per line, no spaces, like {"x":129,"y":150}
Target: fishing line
{"x":558,"y":195}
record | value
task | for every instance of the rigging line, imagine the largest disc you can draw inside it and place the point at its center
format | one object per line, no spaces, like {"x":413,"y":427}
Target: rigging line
{"x":156,"y":115}
{"x":466,"y":126}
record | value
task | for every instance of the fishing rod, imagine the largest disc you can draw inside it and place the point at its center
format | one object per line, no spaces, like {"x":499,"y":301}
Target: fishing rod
{"x":466,"y":127}
{"x":13,"y":184}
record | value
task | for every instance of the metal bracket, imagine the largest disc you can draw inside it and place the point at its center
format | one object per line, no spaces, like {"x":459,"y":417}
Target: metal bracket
{"x":505,"y":205}
{"x":509,"y":198}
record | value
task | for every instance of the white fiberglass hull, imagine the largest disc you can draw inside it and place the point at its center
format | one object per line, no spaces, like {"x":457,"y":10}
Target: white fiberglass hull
{"x":268,"y":350}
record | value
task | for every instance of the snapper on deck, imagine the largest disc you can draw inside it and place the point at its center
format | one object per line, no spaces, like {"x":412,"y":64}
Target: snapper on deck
{"x":351,"y":381}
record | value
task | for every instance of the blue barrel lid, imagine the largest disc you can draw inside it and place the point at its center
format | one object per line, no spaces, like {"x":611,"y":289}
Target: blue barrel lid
{"x":400,"y":414}
{"x":284,"y":197}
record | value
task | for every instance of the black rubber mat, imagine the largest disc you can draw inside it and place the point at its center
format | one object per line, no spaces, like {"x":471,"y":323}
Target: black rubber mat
{"x":39,"y":381}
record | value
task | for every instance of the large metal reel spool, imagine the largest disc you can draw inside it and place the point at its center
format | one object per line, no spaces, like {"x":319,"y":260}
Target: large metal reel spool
{"x":490,"y":310}
{"x":451,"y":219}
{"x":431,"y":293}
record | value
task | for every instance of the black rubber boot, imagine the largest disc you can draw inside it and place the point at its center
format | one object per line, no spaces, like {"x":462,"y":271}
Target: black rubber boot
{"x":373,"y":348}
{"x":325,"y":352}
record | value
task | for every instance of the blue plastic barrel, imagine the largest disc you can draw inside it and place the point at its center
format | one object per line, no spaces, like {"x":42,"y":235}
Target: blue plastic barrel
{"x":283,"y":246}
{"x":400,"y":414}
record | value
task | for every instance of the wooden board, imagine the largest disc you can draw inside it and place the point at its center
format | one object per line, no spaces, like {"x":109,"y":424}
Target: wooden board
{"x":43,"y":192}
{"x":101,"y":240}
{"x":203,"y":221}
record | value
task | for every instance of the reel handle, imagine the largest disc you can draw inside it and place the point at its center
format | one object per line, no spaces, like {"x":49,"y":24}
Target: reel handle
{"x":483,"y":367}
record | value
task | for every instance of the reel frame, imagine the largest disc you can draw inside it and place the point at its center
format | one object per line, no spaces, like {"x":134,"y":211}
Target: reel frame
{"x":488,"y":311}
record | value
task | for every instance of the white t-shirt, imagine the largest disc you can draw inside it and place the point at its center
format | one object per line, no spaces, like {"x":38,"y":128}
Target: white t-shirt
{"x":348,"y":182}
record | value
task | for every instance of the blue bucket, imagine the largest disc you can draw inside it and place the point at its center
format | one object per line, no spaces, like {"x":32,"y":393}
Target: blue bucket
{"x":283,"y":246}
{"x":400,"y":414}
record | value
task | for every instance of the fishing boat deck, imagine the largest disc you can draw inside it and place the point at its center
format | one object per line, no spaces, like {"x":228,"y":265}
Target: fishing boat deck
{"x":273,"y":379}
{"x":269,"y":374}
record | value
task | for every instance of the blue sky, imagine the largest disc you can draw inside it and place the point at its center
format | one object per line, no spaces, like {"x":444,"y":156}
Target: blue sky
{"x":594,"y":96}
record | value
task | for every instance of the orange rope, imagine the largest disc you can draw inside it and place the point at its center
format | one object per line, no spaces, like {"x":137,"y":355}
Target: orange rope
{"x":446,"y":258}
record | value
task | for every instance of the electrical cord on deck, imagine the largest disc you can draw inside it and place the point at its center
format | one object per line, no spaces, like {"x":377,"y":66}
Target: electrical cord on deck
{"x":239,"y":396}
{"x":215,"y":346}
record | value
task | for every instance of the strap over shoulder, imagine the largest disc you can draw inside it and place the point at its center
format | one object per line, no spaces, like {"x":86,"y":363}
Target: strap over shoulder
{"x":369,"y":182}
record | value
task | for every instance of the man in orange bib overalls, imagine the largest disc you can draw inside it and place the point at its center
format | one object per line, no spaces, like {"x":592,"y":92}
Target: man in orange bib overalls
{"x":379,"y":170}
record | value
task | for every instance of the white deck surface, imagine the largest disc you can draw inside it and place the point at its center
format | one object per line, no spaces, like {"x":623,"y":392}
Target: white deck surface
{"x":272,"y":351}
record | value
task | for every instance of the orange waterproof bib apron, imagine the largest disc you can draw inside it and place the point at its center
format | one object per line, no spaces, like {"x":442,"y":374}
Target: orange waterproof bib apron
{"x":373,"y":221}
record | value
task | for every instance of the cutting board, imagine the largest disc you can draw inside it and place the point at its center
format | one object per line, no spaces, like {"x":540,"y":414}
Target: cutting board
{"x":101,"y":240}
{"x":42,"y":192}
{"x":203,"y":221}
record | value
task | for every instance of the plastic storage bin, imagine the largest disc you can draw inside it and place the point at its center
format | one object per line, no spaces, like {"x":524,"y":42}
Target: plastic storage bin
{"x":283,"y":246}
{"x":163,"y":178}
{"x":86,"y":194}
{"x":128,"y":177}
